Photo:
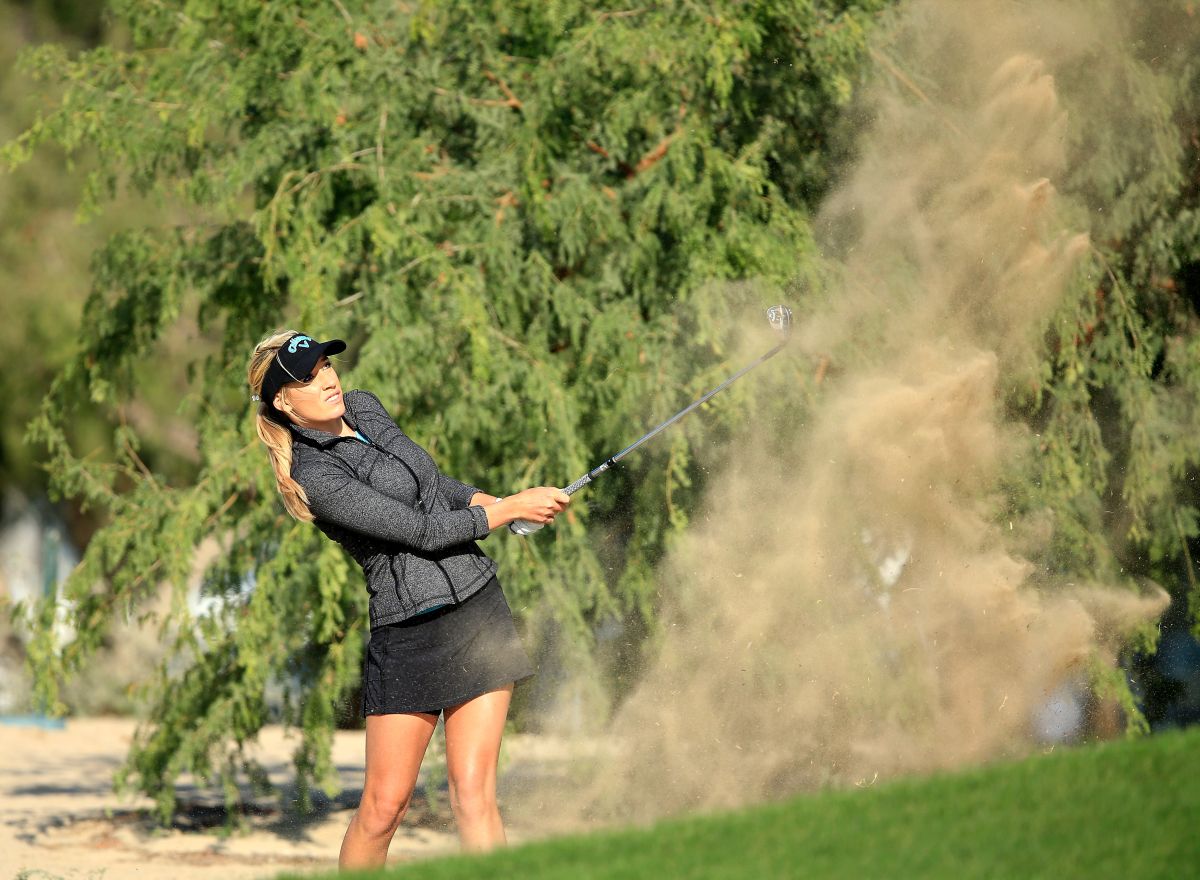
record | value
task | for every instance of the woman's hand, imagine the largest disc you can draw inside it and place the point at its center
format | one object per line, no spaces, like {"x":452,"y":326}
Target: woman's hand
{"x":538,"y":505}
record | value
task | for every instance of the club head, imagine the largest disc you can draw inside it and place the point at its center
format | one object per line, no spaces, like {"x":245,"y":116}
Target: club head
{"x":780,"y":318}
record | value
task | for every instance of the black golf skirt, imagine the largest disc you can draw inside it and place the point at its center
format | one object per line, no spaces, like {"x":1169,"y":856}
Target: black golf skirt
{"x":445,"y":657}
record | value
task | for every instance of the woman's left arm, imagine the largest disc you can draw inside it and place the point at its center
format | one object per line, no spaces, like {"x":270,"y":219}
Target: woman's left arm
{"x":460,"y":495}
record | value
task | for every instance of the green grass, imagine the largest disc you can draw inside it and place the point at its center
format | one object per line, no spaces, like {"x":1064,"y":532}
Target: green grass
{"x":1127,"y":809}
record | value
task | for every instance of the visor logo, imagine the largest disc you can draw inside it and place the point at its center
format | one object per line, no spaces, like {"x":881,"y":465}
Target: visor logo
{"x":298,"y":342}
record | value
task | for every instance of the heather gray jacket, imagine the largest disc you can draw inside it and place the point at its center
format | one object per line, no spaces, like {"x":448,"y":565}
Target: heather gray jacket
{"x":407,"y":524}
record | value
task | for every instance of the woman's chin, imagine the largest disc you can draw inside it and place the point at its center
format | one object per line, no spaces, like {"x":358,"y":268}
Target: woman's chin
{"x":326,"y":414}
{"x":335,"y":409}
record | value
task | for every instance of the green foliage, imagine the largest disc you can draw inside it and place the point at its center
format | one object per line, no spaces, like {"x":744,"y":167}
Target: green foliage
{"x":513,"y":212}
{"x":1117,"y":413}
{"x":1117,"y":810}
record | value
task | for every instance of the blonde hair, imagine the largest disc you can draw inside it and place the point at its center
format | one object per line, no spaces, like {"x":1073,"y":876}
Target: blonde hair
{"x":275,"y":436}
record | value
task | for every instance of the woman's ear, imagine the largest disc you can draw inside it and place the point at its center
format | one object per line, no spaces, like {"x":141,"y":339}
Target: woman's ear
{"x":279,"y":403}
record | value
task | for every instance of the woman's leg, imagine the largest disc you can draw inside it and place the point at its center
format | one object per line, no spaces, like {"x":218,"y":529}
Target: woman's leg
{"x":473,"y":731}
{"x":395,"y":746}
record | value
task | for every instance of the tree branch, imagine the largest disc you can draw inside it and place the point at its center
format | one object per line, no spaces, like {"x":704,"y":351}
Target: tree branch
{"x":345,"y":14}
{"x":652,"y":158}
{"x":625,"y":13}
{"x":513,"y":100}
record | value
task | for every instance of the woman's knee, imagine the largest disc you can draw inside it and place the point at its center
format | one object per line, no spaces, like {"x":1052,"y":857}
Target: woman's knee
{"x":381,"y":811}
{"x":472,"y":793}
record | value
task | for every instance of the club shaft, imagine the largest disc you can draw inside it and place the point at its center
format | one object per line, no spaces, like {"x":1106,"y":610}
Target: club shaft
{"x":599,"y":469}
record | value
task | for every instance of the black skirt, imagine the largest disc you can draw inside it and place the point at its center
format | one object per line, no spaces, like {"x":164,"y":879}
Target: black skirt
{"x":445,"y":657}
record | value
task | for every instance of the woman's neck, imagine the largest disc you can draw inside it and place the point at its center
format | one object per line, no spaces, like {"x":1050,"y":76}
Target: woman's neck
{"x":337,"y":427}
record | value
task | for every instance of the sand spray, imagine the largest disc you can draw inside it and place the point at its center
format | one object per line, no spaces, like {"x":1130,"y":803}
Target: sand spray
{"x":858,"y":608}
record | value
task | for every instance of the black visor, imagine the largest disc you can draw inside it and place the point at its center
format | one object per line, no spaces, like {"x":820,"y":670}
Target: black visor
{"x":294,"y":362}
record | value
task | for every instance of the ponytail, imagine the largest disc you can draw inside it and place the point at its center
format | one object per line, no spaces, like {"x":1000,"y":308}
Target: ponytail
{"x":274,"y":435}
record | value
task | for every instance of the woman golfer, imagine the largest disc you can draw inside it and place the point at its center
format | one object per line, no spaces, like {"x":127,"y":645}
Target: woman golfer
{"x":442,"y":636}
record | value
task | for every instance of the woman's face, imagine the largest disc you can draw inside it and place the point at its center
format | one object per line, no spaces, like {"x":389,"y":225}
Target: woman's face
{"x":317,"y":401}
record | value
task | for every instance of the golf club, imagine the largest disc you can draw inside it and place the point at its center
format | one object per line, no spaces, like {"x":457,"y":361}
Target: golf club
{"x":780,"y":319}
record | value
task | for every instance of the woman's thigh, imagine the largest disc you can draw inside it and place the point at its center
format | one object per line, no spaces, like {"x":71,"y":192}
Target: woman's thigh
{"x":395,"y":748}
{"x":473,"y":732}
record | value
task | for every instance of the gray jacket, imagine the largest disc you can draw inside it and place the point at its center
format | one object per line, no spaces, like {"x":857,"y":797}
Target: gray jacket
{"x":407,"y":524}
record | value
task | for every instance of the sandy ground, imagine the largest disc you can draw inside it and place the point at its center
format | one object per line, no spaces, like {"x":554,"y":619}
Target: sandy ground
{"x":60,"y":819}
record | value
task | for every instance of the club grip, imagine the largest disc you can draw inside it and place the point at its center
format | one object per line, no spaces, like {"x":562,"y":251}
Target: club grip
{"x":524,"y":527}
{"x":578,"y":484}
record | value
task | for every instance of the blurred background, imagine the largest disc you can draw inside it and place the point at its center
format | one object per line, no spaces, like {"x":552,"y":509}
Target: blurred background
{"x":46,"y":249}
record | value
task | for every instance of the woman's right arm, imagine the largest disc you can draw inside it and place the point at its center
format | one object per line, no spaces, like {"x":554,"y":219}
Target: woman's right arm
{"x":337,"y":497}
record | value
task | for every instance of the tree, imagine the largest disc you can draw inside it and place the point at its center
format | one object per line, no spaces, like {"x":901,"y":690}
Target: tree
{"x":514,"y":212}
